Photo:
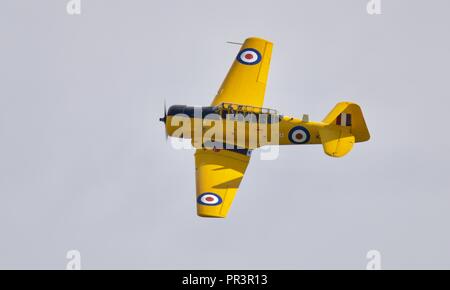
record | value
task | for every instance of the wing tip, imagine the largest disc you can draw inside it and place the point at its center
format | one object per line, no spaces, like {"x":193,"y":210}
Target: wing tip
{"x":211,"y":216}
{"x":257,"y":38}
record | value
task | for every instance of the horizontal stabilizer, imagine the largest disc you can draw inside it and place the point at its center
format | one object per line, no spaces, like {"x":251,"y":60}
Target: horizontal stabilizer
{"x":336,"y":142}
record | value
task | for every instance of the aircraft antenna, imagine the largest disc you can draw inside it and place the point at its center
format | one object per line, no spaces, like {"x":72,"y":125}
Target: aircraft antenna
{"x":232,"y":42}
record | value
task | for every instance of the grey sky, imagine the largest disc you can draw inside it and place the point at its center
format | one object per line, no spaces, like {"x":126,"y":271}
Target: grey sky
{"x":84,"y":164}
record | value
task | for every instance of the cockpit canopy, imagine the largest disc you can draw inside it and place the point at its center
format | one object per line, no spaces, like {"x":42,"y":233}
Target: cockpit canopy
{"x":245,"y":109}
{"x":222,"y":109}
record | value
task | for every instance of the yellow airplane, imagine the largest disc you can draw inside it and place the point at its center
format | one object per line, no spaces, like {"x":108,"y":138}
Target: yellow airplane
{"x":220,"y":169}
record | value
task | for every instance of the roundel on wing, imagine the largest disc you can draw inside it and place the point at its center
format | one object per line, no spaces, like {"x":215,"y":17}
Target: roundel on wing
{"x":209,"y":198}
{"x":299,"y":135}
{"x":249,"y":56}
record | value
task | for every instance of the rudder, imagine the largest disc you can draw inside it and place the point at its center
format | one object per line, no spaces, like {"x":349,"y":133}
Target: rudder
{"x":345,"y":125}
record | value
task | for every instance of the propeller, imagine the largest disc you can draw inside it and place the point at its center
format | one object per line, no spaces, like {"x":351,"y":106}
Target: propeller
{"x":164,"y":119}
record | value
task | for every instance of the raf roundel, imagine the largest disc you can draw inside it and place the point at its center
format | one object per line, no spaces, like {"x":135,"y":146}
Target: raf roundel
{"x":249,"y":56}
{"x":299,"y":135}
{"x":209,"y":198}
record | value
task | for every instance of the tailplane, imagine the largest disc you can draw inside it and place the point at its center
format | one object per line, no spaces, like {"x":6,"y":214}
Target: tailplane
{"x":345,"y":126}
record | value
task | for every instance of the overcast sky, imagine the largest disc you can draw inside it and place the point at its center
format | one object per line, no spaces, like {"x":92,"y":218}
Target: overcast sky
{"x":84,"y":164}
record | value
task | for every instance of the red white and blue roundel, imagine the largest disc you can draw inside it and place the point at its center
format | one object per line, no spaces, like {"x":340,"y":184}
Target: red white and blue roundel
{"x":209,"y":198}
{"x":249,"y":56}
{"x":299,"y":135}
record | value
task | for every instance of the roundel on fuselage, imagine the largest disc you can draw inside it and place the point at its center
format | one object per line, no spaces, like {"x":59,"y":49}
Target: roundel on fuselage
{"x":299,"y":135}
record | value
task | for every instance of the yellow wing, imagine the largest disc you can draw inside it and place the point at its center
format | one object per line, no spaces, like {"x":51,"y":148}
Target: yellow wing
{"x":245,"y":82}
{"x":218,"y":175}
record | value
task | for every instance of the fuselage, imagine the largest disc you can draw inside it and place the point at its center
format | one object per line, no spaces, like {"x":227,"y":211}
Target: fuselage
{"x":240,"y":126}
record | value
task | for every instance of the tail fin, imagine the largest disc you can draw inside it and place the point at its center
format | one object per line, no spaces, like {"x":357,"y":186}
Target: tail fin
{"x":345,"y":125}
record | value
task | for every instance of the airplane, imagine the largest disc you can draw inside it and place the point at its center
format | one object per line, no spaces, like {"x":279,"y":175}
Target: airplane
{"x":219,"y":169}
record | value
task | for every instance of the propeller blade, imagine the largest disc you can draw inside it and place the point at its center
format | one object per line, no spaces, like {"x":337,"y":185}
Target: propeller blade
{"x":164,"y":119}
